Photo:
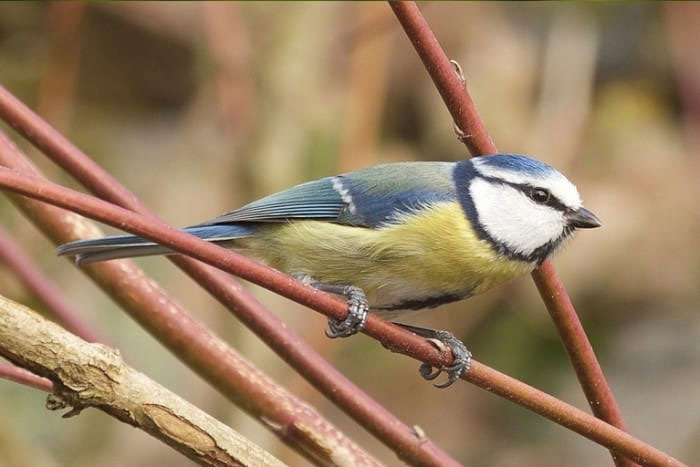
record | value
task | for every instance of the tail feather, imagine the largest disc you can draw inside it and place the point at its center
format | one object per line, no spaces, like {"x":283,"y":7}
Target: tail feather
{"x":130,"y":246}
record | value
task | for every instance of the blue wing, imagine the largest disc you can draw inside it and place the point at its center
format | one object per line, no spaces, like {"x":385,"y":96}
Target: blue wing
{"x":312,"y":200}
{"x":368,"y":197}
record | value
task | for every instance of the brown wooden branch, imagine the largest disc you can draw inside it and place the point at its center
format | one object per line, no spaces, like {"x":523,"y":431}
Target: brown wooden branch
{"x":94,"y":375}
{"x":292,"y":420}
{"x":286,"y":343}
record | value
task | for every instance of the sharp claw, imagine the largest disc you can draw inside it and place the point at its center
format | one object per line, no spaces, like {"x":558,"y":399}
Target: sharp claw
{"x":455,"y":371}
{"x":446,"y":384}
{"x":461,"y":359}
{"x":428,"y":372}
{"x":443,"y":340}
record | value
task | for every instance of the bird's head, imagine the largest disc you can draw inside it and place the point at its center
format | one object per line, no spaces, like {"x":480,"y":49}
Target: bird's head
{"x":523,"y":207}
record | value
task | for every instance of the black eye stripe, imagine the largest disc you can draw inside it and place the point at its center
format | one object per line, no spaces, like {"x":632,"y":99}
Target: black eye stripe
{"x":526,"y":189}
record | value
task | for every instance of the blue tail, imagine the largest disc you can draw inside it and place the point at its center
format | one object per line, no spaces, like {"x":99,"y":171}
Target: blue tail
{"x":129,"y":246}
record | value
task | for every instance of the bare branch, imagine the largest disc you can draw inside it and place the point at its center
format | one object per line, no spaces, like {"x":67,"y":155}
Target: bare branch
{"x":93,"y":375}
{"x":293,"y":421}
{"x":477,"y":139}
{"x":22,"y":376}
{"x":45,"y":290}
{"x":390,"y":335}
{"x":288,"y":345}
{"x":399,"y":340}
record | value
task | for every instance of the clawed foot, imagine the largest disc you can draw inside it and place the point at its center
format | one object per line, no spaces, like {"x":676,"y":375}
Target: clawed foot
{"x":357,"y":314}
{"x":461,"y":356}
{"x":358,"y":307}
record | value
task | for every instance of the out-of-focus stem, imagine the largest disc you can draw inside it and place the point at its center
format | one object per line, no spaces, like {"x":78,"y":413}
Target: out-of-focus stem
{"x":45,"y":290}
{"x":392,"y":336}
{"x":366,"y":411}
{"x":294,"y":421}
{"x":26,"y":377}
{"x":477,"y":139}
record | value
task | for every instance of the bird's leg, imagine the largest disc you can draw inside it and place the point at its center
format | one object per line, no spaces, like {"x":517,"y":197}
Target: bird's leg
{"x":461,"y":356}
{"x":357,"y":309}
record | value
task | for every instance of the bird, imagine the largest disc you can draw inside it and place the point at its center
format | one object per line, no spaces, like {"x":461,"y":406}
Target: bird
{"x":396,"y":237}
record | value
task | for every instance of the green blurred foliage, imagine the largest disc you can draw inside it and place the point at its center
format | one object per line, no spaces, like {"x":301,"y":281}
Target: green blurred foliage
{"x":200,"y":107}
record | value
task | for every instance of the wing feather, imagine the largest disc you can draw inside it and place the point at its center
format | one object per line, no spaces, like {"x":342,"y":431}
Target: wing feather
{"x":312,"y":200}
{"x":367,"y":198}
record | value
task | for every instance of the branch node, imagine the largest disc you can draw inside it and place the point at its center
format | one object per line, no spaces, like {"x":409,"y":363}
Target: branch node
{"x":73,"y":412}
{"x":55,"y":402}
{"x":459,"y":71}
{"x":420,"y":433}
{"x":462,"y":136}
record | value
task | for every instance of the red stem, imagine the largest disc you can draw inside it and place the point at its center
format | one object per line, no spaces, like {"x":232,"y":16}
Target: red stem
{"x":449,"y":85}
{"x":26,"y":377}
{"x":295,"y":422}
{"x":285,"y":342}
{"x":478,"y":141}
{"x":390,"y":335}
{"x":36,"y":282}
{"x":577,"y":344}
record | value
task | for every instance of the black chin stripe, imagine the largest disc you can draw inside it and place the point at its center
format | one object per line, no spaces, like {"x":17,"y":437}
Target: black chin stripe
{"x":430,"y":302}
{"x":542,"y":253}
{"x":463,"y":175}
{"x":538,"y":255}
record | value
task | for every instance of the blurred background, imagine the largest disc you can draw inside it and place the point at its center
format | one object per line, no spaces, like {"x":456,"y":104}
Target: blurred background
{"x":201,"y":107}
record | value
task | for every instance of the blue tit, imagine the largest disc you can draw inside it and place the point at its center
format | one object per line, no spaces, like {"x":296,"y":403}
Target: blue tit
{"x":397,"y":237}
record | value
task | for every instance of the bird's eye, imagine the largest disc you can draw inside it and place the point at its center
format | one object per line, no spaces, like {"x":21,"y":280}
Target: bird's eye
{"x":540,"y":195}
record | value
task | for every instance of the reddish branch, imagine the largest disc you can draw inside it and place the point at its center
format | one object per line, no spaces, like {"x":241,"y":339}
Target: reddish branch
{"x":26,"y":377}
{"x":588,"y":370}
{"x":287,"y":344}
{"x":295,"y":422}
{"x":478,"y":141}
{"x":392,"y":336}
{"x":36,"y":282}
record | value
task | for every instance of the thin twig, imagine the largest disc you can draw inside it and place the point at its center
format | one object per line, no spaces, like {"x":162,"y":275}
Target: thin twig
{"x":288,"y":345}
{"x":390,"y":335}
{"x":477,"y":139}
{"x":295,"y":422}
{"x":45,"y":290}
{"x":94,"y":375}
{"x":26,"y":377}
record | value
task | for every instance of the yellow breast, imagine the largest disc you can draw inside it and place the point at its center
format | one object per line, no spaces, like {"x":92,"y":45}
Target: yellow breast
{"x":432,"y":253}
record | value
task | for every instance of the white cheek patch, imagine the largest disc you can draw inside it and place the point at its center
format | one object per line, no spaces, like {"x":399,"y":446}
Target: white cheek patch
{"x":554,"y":181}
{"x":511,"y":218}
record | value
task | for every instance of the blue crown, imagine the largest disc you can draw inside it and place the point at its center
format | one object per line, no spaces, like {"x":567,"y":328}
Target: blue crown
{"x":517,"y":163}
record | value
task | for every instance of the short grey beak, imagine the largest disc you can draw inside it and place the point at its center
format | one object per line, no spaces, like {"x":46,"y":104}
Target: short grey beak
{"x":583,"y":219}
